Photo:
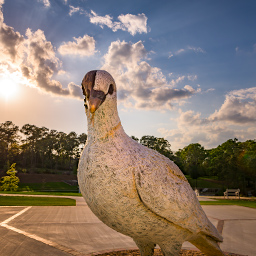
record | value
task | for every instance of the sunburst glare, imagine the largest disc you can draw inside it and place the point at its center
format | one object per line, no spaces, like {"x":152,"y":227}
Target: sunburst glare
{"x":8,"y":88}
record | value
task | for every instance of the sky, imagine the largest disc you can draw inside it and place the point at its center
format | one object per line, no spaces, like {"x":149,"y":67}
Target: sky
{"x":185,"y":70}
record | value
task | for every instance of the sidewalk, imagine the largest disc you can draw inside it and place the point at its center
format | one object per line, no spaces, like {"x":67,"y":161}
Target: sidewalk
{"x":75,"y":230}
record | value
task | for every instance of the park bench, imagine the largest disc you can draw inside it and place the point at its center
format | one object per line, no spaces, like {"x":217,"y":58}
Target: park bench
{"x":232,"y":192}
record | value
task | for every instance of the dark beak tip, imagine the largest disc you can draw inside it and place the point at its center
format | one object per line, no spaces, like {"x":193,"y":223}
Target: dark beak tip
{"x":94,"y":103}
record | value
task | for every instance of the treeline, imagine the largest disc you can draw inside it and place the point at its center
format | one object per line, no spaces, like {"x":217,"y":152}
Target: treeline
{"x":33,"y":147}
{"x":232,"y":162}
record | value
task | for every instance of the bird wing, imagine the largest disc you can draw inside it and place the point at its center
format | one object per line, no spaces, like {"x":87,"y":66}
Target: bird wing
{"x":164,"y":189}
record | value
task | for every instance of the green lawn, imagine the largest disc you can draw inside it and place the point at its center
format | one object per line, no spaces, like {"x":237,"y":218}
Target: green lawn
{"x":209,"y":177}
{"x":35,"y":201}
{"x":202,"y":183}
{"x":240,"y":202}
{"x":41,"y":193}
{"x":47,"y":186}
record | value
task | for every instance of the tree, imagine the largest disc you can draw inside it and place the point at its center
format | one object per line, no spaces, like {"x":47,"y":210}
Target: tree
{"x":10,"y":182}
{"x":8,"y":137}
{"x":247,"y":162}
{"x":48,"y":145}
{"x":163,"y":146}
{"x":32,"y":133}
{"x":159,"y":144}
{"x":135,"y":138}
{"x":191,"y":159}
{"x":148,"y":141}
{"x":34,"y":147}
{"x":71,"y":146}
{"x":223,"y":162}
{"x":82,"y":138}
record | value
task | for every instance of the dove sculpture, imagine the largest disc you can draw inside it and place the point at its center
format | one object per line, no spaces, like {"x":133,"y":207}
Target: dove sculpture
{"x":134,"y":189}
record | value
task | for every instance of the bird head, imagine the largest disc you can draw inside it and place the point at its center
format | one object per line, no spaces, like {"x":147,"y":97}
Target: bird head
{"x":97,"y":85}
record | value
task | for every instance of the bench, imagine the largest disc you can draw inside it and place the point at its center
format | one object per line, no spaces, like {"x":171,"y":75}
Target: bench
{"x":232,"y":192}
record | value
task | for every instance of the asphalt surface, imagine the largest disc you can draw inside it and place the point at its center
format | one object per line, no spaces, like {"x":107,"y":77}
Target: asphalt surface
{"x":75,"y":230}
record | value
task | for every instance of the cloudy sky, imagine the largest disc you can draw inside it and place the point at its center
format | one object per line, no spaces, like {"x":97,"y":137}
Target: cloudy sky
{"x":185,"y":70}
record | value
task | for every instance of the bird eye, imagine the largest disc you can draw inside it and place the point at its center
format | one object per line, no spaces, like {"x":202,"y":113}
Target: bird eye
{"x":85,"y":104}
{"x":111,"y":89}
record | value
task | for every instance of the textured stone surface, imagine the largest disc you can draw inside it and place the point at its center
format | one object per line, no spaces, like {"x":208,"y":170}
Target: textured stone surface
{"x":134,"y":189}
{"x":158,"y":252}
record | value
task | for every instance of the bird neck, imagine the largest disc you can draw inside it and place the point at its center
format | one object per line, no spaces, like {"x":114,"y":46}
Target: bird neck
{"x":104,"y":122}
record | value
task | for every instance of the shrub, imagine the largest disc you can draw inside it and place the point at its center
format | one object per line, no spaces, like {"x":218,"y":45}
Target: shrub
{"x":10,"y":182}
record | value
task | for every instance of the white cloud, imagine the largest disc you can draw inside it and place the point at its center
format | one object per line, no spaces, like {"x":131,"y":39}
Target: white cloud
{"x":239,"y":107}
{"x":245,"y":51}
{"x":210,"y":90}
{"x":177,"y":80}
{"x":101,"y":20}
{"x":73,"y":10}
{"x":129,"y":22}
{"x":134,"y":23}
{"x":46,"y":3}
{"x":187,"y":49}
{"x":196,"y":49}
{"x":170,"y":55}
{"x":83,"y":46}
{"x":32,"y":59}
{"x":179,"y":51}
{"x":192,"y":77}
{"x":43,"y":63}
{"x":192,"y":128}
{"x":11,"y":42}
{"x":138,"y":81}
{"x":236,"y":113}
{"x":209,"y":136}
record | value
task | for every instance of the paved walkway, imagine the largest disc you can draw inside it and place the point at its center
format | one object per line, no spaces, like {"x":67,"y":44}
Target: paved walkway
{"x":75,"y":230}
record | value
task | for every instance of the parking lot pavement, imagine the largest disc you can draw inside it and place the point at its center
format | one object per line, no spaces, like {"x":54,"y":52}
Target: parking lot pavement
{"x":205,"y":198}
{"x":7,"y":212}
{"x":238,"y":227}
{"x":15,"y":244}
{"x":75,"y":230}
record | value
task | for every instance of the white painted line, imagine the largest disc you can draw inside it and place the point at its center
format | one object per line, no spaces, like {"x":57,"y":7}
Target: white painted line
{"x":40,"y":239}
{"x":35,"y":237}
{"x":14,"y":216}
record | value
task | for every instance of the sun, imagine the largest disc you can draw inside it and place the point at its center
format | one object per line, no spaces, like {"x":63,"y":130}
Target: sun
{"x":8,"y":88}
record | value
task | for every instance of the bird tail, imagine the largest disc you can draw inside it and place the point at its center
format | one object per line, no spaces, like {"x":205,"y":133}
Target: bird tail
{"x":207,"y":245}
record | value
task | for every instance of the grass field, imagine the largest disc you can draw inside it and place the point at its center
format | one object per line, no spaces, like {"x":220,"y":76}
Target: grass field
{"x":47,"y":186}
{"x":240,"y":202}
{"x":42,"y":193}
{"x":204,"y":183}
{"x":53,"y":201}
{"x":35,"y":201}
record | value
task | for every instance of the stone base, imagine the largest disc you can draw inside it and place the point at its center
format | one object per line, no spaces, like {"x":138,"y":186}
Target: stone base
{"x":158,"y":252}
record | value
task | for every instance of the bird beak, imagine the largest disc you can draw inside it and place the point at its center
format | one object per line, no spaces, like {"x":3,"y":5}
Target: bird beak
{"x":95,"y":100}
{"x":94,"y":103}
